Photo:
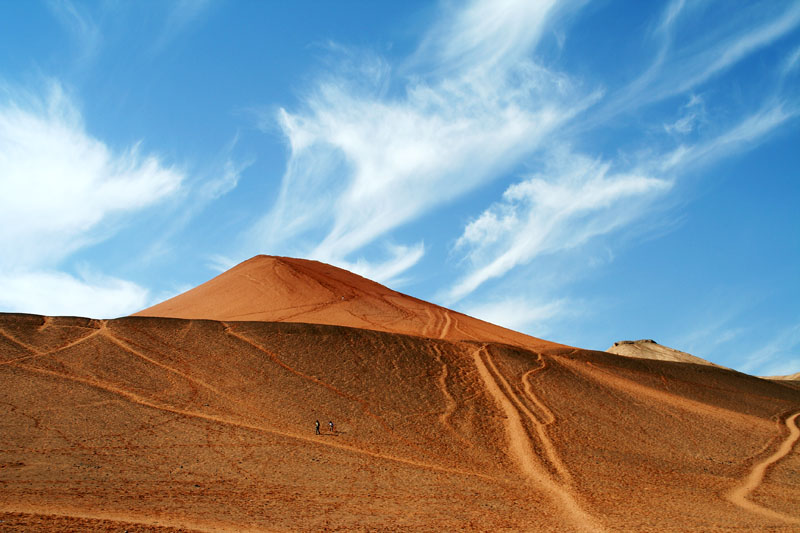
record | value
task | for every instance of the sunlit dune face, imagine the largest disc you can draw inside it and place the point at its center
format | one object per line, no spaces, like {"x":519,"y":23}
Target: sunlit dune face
{"x":201,"y":413}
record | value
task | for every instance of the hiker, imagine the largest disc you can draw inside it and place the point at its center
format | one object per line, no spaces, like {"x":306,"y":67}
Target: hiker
{"x":330,"y":425}
{"x":316,"y":427}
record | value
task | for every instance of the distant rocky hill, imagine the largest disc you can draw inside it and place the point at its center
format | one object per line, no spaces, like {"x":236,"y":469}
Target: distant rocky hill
{"x":790,"y":377}
{"x":650,"y":349}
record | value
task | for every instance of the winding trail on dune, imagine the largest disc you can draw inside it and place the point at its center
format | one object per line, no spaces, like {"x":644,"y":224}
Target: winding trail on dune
{"x":541,"y":422}
{"x":450,"y":403}
{"x":448,"y":321}
{"x":35,"y":352}
{"x":739,"y":495}
{"x":538,"y":425}
{"x":438,"y":324}
{"x":521,"y":447}
{"x":428,"y":323}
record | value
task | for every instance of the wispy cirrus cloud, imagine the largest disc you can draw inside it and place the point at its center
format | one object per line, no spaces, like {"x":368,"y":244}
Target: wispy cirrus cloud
{"x":520,"y":313}
{"x":694,"y":113}
{"x":81,"y":25}
{"x":513,"y":232}
{"x":733,"y":45}
{"x":180,"y":15}
{"x":64,"y":190}
{"x":779,"y":356}
{"x":367,"y":157}
{"x":398,"y":259}
{"x":685,"y":60}
{"x":485,"y":36}
{"x":94,"y":26}
{"x":740,"y":136}
{"x":791,"y":62}
{"x":573,"y":200}
{"x":51,"y":292}
{"x":576,"y":199}
{"x":60,"y":184}
{"x":375,"y":144}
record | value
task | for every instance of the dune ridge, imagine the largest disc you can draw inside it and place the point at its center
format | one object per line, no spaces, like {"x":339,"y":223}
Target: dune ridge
{"x":443,"y":422}
{"x":284,"y":289}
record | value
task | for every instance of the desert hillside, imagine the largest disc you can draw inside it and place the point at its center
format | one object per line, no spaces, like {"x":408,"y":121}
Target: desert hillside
{"x":149,"y":423}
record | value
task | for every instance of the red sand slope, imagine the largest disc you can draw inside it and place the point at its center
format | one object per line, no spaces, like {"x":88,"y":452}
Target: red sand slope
{"x":284,"y":289}
{"x":154,"y":423}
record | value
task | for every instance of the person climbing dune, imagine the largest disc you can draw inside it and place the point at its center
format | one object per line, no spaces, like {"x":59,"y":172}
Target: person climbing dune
{"x":316,"y":427}
{"x":330,"y":425}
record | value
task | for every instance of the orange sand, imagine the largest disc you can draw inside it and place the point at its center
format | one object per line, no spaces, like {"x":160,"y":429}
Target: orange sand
{"x":444,"y":422}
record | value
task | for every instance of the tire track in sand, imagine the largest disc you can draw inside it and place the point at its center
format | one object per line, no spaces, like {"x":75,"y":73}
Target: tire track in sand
{"x":548,"y":415}
{"x":125,"y":519}
{"x":448,"y":321}
{"x":438,"y":324}
{"x":538,"y":425}
{"x":428,"y":323}
{"x":522,"y":450}
{"x":738,"y":496}
{"x":450,"y":403}
{"x":457,"y":328}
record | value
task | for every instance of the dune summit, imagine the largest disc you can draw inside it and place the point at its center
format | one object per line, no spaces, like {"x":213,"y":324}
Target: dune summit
{"x":200,"y":416}
{"x":284,"y":289}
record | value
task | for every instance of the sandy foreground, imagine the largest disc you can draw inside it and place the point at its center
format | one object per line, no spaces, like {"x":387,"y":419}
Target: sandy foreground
{"x":442,"y":422}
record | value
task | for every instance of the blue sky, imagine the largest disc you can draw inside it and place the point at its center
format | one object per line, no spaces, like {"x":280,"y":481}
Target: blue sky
{"x":583,"y":171}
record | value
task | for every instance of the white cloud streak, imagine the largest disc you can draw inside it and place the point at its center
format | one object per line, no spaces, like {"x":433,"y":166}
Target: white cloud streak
{"x":777,"y":357}
{"x":80,"y":24}
{"x":485,"y":36}
{"x":376,"y":146}
{"x":363,"y":163}
{"x":50,"y":292}
{"x":792,"y":62}
{"x":555,"y":211}
{"x":693,"y":113}
{"x":578,"y":199}
{"x":181,"y":15}
{"x":520,"y":314}
{"x":574,"y":200}
{"x":682,"y":64}
{"x":735,"y":49}
{"x":400,"y":258}
{"x":59,"y":183}
{"x":61,"y":189}
{"x":740,"y":136}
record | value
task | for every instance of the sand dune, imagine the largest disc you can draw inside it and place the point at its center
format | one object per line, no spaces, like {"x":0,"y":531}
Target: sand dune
{"x":207,"y":423}
{"x":284,"y":289}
